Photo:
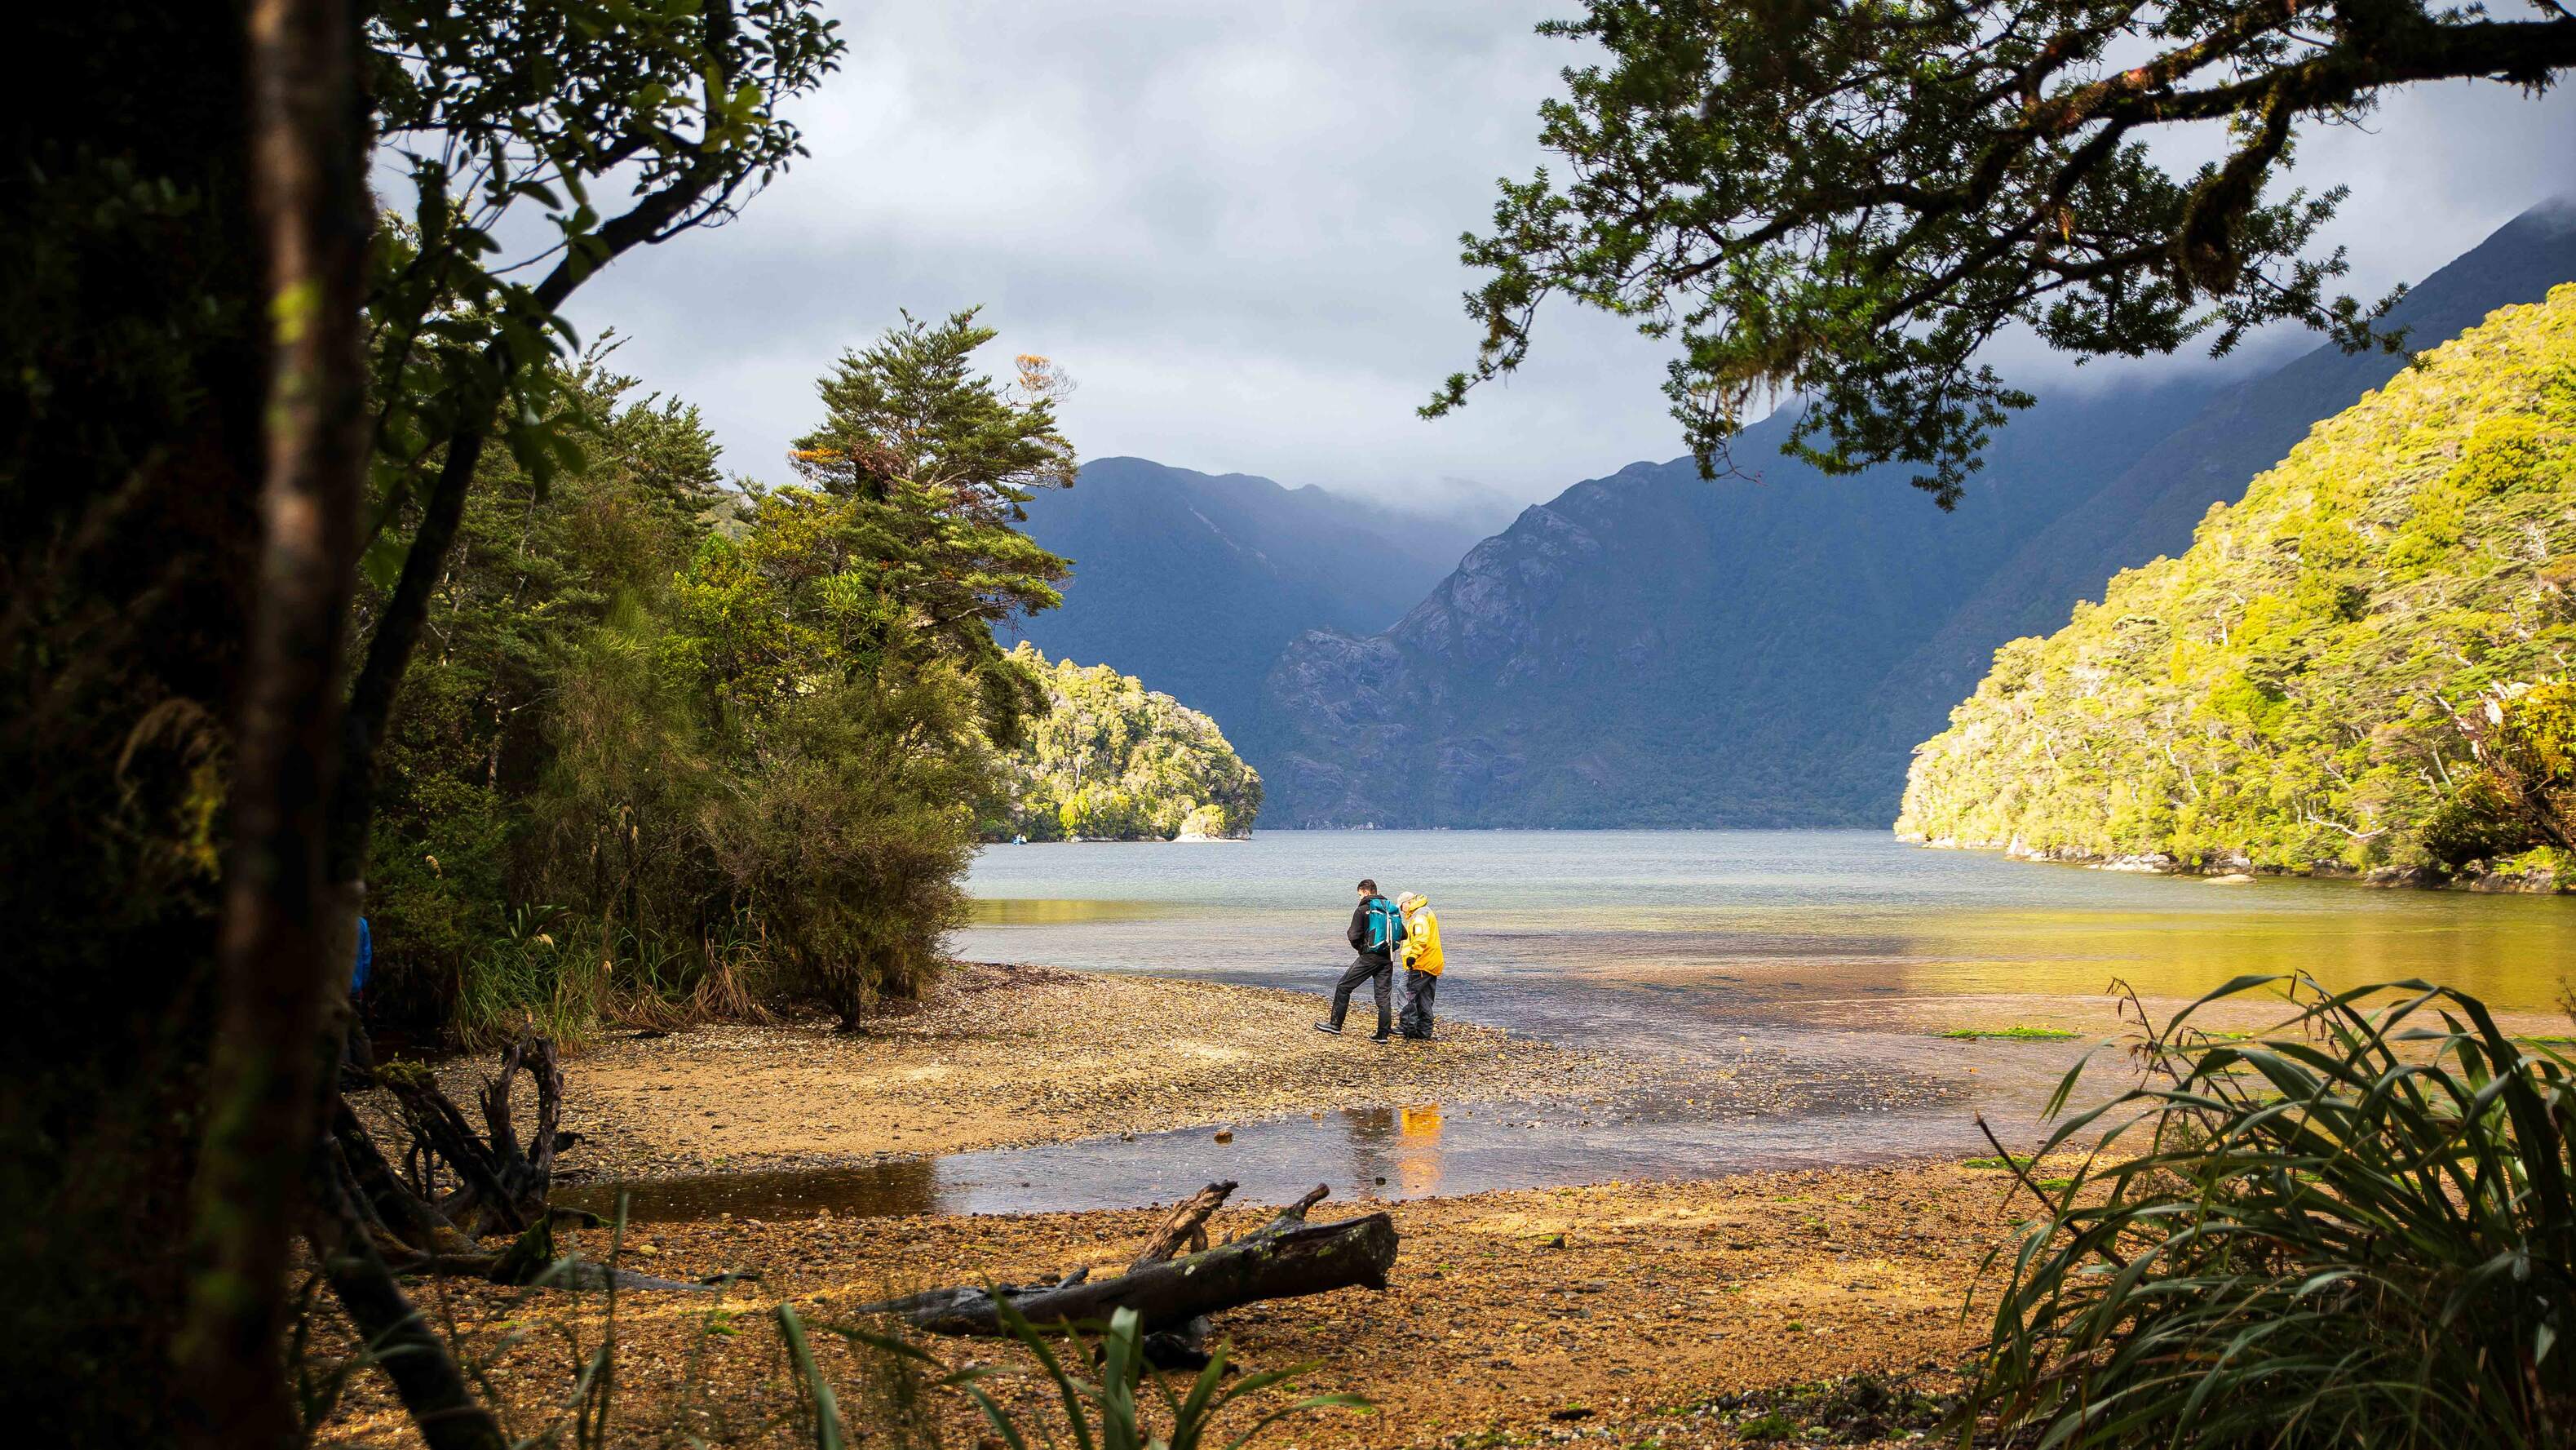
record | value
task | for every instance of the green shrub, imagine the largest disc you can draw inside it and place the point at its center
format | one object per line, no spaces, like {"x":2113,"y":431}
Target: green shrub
{"x":848,"y":836}
{"x":2357,"y":1231}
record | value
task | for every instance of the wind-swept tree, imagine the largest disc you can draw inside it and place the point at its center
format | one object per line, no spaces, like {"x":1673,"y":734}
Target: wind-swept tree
{"x":926,"y":465}
{"x":1845,"y":200}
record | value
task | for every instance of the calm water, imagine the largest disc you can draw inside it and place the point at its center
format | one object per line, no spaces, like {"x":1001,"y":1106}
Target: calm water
{"x":1738,"y":925}
{"x":1792,"y":984}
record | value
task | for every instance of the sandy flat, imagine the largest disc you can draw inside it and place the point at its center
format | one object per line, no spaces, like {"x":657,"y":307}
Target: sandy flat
{"x":1005,"y":1056}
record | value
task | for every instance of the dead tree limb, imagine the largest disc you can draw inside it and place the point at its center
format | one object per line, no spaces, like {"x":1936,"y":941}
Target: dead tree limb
{"x":1187,"y":1225}
{"x":1284,"y":1259}
{"x":502,"y":1184}
{"x":426,"y":1376}
{"x":1184,"y":1347}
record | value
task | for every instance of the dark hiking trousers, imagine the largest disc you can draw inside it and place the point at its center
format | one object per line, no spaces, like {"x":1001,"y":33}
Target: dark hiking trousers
{"x":1419,"y":988}
{"x":1378,"y":970}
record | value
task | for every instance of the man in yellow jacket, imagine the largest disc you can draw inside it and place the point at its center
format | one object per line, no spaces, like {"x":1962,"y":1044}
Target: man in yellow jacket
{"x":1422,"y":964}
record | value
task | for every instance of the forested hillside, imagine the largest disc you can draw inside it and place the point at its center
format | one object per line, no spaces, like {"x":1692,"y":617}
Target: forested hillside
{"x":1112,"y":760}
{"x":2338,"y":672}
{"x":1653,"y":648}
{"x":1196,"y":581}
{"x":2152,"y":507}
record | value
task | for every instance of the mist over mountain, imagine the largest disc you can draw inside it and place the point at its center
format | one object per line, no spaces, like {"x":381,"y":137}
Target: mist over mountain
{"x":1194,"y":582}
{"x":1653,"y":649}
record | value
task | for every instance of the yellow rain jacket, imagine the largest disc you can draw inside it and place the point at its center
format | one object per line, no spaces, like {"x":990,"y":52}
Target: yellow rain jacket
{"x":1421,"y":934}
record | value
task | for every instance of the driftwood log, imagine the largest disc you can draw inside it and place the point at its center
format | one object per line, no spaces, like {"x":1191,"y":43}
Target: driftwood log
{"x":463,"y":1202}
{"x":1174,"y":1293}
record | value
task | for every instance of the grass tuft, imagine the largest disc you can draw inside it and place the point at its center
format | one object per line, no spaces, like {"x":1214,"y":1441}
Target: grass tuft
{"x":2009,"y":1034}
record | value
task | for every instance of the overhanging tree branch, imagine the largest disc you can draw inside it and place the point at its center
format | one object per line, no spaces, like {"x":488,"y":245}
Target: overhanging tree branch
{"x":1833,"y":199}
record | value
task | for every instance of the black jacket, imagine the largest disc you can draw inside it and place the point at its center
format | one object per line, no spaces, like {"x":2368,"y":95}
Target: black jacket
{"x":1358,"y":934}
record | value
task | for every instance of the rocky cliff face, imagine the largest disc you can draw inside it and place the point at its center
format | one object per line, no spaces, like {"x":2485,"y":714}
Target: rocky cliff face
{"x":1644,"y":649}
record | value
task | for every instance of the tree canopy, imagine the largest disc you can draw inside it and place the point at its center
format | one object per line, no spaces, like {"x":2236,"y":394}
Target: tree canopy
{"x":1112,"y":760}
{"x":228,"y":367}
{"x":1845,"y":200}
{"x":921,"y":466}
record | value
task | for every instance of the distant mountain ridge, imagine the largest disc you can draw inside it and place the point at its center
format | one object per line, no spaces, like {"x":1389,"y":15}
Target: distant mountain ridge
{"x":1194,"y":582}
{"x":1654,"y":649}
{"x":1650,"y":649}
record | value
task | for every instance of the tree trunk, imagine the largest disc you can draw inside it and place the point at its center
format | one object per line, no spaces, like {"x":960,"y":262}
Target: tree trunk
{"x":281,"y":950}
{"x":1284,"y":1259}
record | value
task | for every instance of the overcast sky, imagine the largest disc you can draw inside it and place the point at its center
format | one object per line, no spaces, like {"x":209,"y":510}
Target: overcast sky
{"x":1237,"y":227}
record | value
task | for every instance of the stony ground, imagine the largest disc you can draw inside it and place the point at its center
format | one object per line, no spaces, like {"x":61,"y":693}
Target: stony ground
{"x":1667,"y":1314}
{"x":1008,"y":1055}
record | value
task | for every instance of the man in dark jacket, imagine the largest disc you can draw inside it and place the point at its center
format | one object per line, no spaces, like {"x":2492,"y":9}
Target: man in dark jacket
{"x":1376,"y":928}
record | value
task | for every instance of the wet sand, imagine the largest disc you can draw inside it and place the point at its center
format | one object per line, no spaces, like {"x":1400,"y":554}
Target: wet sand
{"x":1003,"y":1056}
{"x":1628,"y":1310}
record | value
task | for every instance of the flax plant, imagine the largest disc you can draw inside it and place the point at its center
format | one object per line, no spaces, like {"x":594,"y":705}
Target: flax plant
{"x":2355,"y":1230}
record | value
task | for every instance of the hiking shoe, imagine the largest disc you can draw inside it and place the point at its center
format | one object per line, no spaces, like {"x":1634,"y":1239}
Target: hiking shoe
{"x":1381,"y":1037}
{"x":1328,"y":1027}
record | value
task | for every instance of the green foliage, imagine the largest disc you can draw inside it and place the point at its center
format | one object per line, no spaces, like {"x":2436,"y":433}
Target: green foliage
{"x":930,"y":465}
{"x":2358,"y":1230}
{"x":718,"y":734}
{"x":2523,"y":796}
{"x":547,"y":751}
{"x":845,"y":831}
{"x":1846,"y":202}
{"x":1111,"y":761}
{"x":2009,"y":1034}
{"x":2297,"y":689}
{"x":510,"y":123}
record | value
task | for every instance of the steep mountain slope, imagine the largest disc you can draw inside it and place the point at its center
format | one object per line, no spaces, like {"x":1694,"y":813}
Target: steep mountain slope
{"x":2282,"y":693}
{"x":1654,"y":649}
{"x":2150,"y":509}
{"x":1194,"y":582}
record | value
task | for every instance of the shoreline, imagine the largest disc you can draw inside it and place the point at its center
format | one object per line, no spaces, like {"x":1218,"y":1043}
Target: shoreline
{"x":1013,"y":1056}
{"x":2232,"y":868}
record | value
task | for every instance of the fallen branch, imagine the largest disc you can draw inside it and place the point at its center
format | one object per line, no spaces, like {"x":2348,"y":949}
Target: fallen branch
{"x":1187,"y":1225}
{"x":1284,"y":1259}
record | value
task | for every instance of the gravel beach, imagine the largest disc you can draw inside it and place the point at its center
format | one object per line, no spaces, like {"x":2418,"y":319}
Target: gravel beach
{"x":1005,"y":1056}
{"x":1666,"y":1313}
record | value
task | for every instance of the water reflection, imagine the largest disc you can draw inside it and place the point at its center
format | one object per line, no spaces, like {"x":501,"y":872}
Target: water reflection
{"x":1364,"y":1153}
{"x":1060,"y":911}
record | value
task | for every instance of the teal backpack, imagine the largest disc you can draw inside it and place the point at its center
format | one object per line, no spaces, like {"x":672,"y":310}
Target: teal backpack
{"x":1385,"y":925}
